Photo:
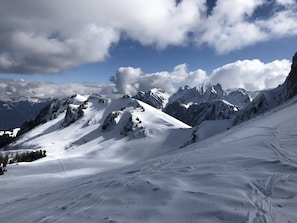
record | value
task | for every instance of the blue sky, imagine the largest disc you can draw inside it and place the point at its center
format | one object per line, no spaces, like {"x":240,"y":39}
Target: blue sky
{"x":150,"y":60}
{"x":88,"y":41}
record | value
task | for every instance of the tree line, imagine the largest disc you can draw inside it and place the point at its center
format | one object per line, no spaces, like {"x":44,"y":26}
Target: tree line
{"x":27,"y":156}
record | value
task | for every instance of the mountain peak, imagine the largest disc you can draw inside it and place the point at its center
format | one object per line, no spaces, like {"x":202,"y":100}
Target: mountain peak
{"x":290,"y":85}
{"x":193,"y":106}
{"x":271,"y":98}
{"x":155,"y":97}
{"x":294,"y":61}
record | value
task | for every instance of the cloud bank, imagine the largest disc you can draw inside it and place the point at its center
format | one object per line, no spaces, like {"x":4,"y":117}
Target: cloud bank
{"x":20,"y":90}
{"x":51,"y":36}
{"x":129,"y":80}
{"x":251,"y":75}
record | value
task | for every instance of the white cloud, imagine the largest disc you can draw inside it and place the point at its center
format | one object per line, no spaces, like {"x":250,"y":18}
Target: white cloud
{"x":286,"y":2}
{"x":251,"y":74}
{"x":283,"y":23}
{"x":126,"y":79}
{"x":19,"y":89}
{"x":33,"y":53}
{"x":49,"y":36}
{"x":234,"y":24}
{"x":130,"y":80}
{"x":162,"y":23}
{"x":248,"y":74}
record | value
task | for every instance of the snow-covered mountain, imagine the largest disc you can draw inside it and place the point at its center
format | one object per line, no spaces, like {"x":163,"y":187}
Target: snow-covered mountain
{"x":101,"y":125}
{"x":157,"y":98}
{"x":118,"y":173}
{"x":269,"y":99}
{"x":187,"y":95}
{"x":195,"y":114}
{"x":193,"y":106}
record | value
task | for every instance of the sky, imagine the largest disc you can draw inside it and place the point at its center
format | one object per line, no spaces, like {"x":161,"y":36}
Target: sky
{"x":137,"y":44}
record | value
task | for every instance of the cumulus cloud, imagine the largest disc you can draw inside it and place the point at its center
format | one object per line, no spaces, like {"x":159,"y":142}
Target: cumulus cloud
{"x":130,"y":80}
{"x":50,"y":36}
{"x":126,"y":79}
{"x":32,"y":53}
{"x":251,"y":75}
{"x":19,"y":89}
{"x":235,"y":24}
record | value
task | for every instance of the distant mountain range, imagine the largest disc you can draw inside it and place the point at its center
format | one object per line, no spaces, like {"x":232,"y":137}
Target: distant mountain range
{"x":192,"y":106}
{"x":14,"y":113}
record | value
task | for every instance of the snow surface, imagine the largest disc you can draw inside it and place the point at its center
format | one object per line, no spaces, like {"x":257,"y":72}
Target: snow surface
{"x":246,"y":174}
{"x":12,"y":133}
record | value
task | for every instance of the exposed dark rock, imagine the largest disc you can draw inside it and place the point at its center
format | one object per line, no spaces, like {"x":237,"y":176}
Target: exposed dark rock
{"x":155,"y":97}
{"x":269,"y":99}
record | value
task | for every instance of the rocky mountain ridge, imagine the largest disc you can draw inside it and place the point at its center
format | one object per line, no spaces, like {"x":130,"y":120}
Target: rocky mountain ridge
{"x":14,"y":113}
{"x":269,"y":99}
{"x":192,"y":106}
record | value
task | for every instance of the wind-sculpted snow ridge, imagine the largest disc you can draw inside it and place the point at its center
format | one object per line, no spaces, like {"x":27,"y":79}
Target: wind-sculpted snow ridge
{"x":246,"y":174}
{"x":129,"y":123}
{"x":134,"y":118}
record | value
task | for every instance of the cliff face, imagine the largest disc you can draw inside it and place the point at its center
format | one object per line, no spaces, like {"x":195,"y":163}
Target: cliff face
{"x":195,"y":114}
{"x":290,"y":85}
{"x":271,"y":98}
{"x":155,"y":97}
{"x":193,"y":106}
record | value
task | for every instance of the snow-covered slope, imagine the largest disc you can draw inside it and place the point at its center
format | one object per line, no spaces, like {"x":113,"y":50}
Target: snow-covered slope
{"x":94,"y":124}
{"x":247,"y":174}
